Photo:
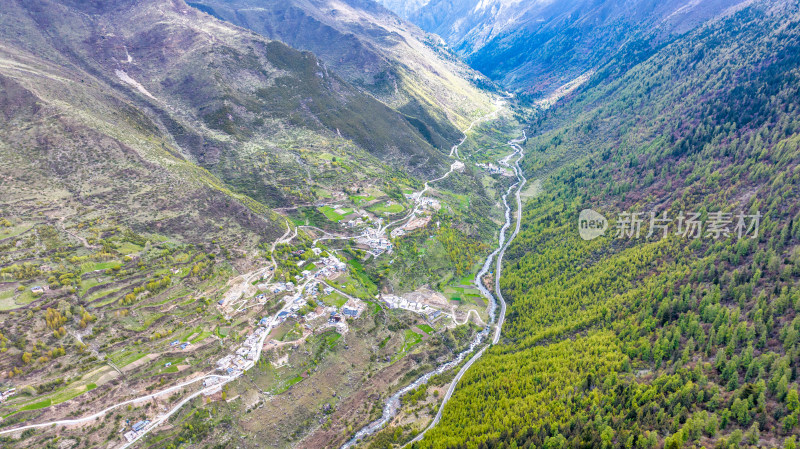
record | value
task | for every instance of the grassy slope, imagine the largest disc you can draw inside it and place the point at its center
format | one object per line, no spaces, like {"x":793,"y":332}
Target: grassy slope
{"x":68,"y":146}
{"x":371,"y":48}
{"x":235,"y":103}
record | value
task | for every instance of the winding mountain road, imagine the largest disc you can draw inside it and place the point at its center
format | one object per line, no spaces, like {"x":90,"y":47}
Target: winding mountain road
{"x":162,"y":418}
{"x":457,"y":165}
{"x":85,"y":419}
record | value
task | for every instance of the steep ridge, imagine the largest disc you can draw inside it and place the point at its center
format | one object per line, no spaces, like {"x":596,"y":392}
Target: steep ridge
{"x":404,"y":8}
{"x":536,"y":46}
{"x":643,"y":341}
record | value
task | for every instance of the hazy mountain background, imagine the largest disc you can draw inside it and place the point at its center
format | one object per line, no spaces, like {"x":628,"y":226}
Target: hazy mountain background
{"x":404,"y":8}
{"x":536,"y":46}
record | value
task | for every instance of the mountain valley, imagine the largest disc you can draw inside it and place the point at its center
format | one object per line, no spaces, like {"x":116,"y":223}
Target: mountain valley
{"x":360,"y":224}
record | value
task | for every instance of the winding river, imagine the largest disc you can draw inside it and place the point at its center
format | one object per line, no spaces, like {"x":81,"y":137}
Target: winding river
{"x":392,"y":405}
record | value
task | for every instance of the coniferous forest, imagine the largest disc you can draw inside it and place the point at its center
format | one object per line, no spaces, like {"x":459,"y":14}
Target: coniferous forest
{"x":655,"y":342}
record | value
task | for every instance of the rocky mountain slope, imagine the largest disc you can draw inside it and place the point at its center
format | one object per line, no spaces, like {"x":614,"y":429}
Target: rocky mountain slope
{"x":76,"y":137}
{"x":186,"y":93}
{"x":372,"y":48}
{"x":537,"y":46}
{"x":404,"y":8}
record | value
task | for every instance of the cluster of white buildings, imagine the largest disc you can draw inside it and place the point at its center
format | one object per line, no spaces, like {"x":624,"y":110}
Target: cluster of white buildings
{"x":295,"y":304}
{"x":397,"y":302}
{"x":330,"y":266}
{"x":7,"y":394}
{"x":304,"y":274}
{"x":244,"y":357}
{"x":427,"y":203}
{"x":326,"y":267}
{"x":231,"y":364}
{"x":211,"y":381}
{"x":494,"y":169}
{"x":280,"y":287}
{"x":377,"y":242}
{"x":335,"y":320}
{"x":352,"y":308}
{"x":356,"y":218}
{"x":354,"y":223}
{"x":138,"y":428}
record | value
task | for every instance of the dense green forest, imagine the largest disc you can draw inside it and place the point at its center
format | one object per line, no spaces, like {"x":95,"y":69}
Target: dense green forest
{"x":643,"y":343}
